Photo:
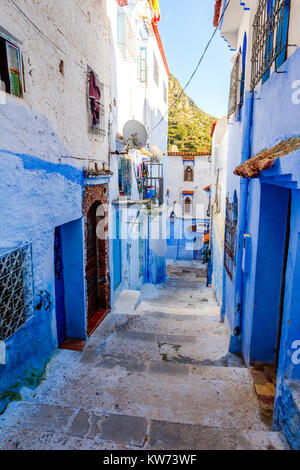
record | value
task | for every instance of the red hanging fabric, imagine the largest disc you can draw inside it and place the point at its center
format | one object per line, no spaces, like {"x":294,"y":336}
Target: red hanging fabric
{"x":122,"y":3}
{"x":95,"y":96}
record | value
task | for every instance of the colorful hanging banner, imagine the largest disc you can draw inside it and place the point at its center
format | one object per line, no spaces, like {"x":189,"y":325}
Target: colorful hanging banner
{"x":122,"y":3}
{"x":156,"y":12}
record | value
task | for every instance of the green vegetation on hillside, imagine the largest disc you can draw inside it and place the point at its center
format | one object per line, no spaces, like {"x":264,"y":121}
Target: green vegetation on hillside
{"x":189,"y":126}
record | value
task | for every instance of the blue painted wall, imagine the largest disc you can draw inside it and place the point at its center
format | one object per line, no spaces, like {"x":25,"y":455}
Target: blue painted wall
{"x":275,"y":118}
{"x":182,"y":243}
{"x":37,"y":196}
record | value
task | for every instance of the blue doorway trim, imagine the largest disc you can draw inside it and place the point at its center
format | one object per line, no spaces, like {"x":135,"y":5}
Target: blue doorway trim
{"x":59,"y":287}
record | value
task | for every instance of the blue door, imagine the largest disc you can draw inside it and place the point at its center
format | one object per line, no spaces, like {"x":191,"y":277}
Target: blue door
{"x":117,"y":252}
{"x":59,"y":288}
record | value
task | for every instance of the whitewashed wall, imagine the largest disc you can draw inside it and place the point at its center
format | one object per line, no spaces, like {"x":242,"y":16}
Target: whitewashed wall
{"x":78,"y":34}
{"x":218,"y":210}
{"x":175,"y":183}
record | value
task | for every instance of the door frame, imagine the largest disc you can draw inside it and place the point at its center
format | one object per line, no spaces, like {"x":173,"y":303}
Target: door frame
{"x":98,"y":194}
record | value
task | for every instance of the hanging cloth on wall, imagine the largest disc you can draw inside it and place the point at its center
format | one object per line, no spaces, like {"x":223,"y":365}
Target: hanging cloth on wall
{"x":95,"y":95}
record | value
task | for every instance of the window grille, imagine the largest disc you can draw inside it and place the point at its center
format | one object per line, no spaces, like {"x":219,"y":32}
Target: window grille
{"x":155,"y":70}
{"x":99,"y":126}
{"x":16,"y":289}
{"x":235,"y":86}
{"x":126,"y":37}
{"x":230,"y":235}
{"x":153,"y":182}
{"x":165,"y":94}
{"x":142,"y":65}
{"x":270,"y":34}
{"x":125,"y":176}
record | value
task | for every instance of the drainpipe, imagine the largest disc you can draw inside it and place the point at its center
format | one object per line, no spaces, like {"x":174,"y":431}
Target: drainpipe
{"x":235,"y":345}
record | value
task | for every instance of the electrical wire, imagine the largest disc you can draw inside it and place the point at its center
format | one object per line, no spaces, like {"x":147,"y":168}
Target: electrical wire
{"x":195,"y":71}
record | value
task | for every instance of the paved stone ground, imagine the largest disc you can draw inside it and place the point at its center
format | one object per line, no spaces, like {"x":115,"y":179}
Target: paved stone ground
{"x":155,"y":376}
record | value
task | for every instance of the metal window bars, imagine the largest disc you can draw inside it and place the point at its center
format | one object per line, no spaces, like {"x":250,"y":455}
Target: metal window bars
{"x":153,"y":182}
{"x":16,"y":289}
{"x":230,"y":235}
{"x":100,"y":127}
{"x":235,"y":100}
{"x":269,"y":39}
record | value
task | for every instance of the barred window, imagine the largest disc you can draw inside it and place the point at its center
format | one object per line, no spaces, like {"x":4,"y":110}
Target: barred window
{"x":16,"y":289}
{"x":126,"y":37}
{"x":155,"y":70}
{"x":142,"y":70}
{"x":270,"y":37}
{"x":96,"y":103}
{"x":230,"y":235}
{"x":234,"y":95}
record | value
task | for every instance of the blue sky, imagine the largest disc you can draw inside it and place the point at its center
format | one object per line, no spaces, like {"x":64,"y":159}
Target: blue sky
{"x":185,"y":27}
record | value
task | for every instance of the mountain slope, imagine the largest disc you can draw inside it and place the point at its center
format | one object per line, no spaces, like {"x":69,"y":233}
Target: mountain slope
{"x":189,"y":126}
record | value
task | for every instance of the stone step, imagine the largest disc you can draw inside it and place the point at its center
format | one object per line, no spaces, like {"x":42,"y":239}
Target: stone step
{"x":207,"y":396}
{"x":31,"y":425}
{"x":174,"y":340}
{"x":127,"y":300}
{"x":173,"y":308}
{"x":157,"y":322}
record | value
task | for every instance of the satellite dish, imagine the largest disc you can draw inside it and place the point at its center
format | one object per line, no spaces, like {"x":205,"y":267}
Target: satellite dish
{"x":156,"y":152}
{"x":135,"y":134}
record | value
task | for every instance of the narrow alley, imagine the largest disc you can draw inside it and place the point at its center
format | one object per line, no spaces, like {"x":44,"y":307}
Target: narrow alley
{"x":155,"y":375}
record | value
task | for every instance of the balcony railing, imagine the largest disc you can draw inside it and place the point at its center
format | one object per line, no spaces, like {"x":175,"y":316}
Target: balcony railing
{"x":153,"y":182}
{"x":270,"y":29}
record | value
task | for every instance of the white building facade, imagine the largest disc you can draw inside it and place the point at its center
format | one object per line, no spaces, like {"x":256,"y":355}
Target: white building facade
{"x":218,"y":203}
{"x":188,"y":179}
{"x":139,"y":87}
{"x":54,"y":107}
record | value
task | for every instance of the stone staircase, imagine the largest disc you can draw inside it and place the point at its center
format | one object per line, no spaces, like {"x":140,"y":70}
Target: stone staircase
{"x":156,"y":375}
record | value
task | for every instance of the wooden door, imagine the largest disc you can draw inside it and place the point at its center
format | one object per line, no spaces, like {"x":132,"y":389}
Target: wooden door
{"x":91,"y":262}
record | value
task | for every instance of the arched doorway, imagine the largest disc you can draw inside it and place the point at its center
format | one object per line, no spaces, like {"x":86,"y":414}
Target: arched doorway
{"x":96,"y":270}
{"x":92,"y":261}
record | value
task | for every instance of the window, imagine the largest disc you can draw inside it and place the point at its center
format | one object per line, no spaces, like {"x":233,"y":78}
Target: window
{"x":234,"y":94}
{"x":96,"y":103}
{"x":218,"y":194}
{"x":237,"y":80}
{"x":243,"y":73}
{"x":188,"y":174}
{"x":155,"y":70}
{"x":125,"y":176}
{"x":270,"y":36}
{"x":165,"y":94}
{"x":230,"y":235}
{"x":10,"y":68}
{"x":142,"y":65}
{"x":187,"y":205}
{"x":126,"y":36}
{"x":16,"y":289}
